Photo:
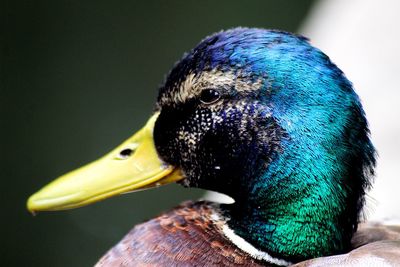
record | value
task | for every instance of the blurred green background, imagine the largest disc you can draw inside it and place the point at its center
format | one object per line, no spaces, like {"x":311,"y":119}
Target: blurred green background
{"x":77,"y":78}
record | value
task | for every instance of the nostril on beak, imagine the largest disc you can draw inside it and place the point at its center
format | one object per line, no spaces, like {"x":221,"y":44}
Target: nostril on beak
{"x":125,"y":153}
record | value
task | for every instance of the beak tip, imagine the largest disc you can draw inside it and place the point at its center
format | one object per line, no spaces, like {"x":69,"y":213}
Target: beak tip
{"x":31,"y":204}
{"x":48,"y":200}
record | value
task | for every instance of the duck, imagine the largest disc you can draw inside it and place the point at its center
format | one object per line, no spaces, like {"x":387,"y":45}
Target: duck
{"x":263,"y":117}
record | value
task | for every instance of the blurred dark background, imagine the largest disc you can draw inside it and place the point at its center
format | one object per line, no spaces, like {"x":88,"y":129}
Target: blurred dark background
{"x":77,"y":78}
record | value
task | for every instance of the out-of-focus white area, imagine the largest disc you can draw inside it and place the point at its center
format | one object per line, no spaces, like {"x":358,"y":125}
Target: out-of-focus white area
{"x":363,"y":38}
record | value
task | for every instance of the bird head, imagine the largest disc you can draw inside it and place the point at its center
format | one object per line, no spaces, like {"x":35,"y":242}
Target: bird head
{"x":259,"y":115}
{"x":247,"y":109}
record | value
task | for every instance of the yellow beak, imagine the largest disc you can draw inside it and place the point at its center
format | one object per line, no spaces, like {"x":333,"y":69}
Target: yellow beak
{"x":133,"y":165}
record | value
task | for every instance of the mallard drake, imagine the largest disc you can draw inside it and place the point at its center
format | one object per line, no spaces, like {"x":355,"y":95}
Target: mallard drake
{"x":261,"y":116}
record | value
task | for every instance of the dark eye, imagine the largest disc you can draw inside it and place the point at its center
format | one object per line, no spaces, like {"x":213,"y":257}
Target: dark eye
{"x":209,"y":96}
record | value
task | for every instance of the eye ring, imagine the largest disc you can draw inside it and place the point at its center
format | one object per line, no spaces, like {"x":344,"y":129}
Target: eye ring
{"x":209,"y":96}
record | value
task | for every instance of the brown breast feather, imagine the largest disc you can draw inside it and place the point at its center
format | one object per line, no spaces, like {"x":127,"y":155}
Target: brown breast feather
{"x":184,"y":236}
{"x":188,"y":236}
